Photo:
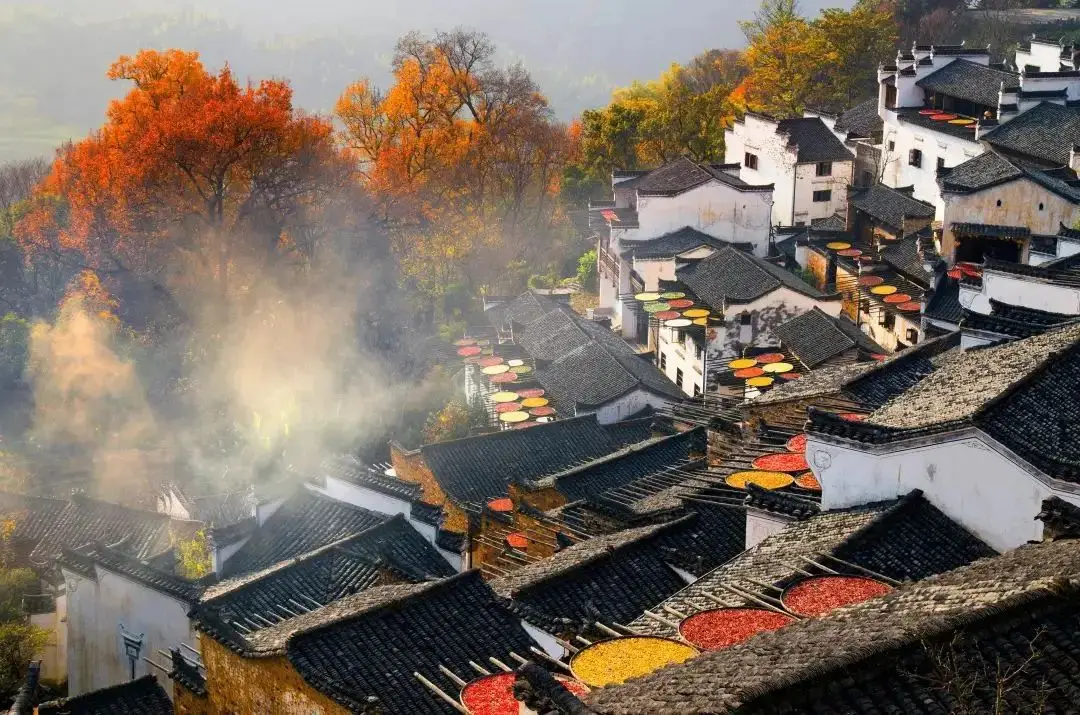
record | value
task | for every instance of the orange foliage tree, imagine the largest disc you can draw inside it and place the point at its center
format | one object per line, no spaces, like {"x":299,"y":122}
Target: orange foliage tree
{"x":454,"y":144}
{"x":192,"y":177}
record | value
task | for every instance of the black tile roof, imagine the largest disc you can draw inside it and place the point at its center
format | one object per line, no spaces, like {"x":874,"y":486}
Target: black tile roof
{"x":836,"y":222}
{"x":231,"y":533}
{"x":304,"y":522}
{"x":27,"y":697}
{"x":957,"y":131}
{"x":906,"y":257}
{"x":968,"y":80}
{"x":815,"y":337}
{"x":732,"y":276}
{"x":900,"y":372}
{"x":862,"y":120}
{"x":326,"y":575}
{"x":601,"y":370}
{"x":368,"y":657}
{"x":522,"y":310}
{"x":985,"y":229}
{"x":682,"y":174}
{"x":628,"y":464}
{"x":776,"y":502}
{"x":1013,"y":613}
{"x":817,"y":383}
{"x":50,"y":525}
{"x":99,"y":555}
{"x":672,"y":244}
{"x":187,"y":673}
{"x":1060,"y":271}
{"x":974,"y":379}
{"x":142,"y":696}
{"x":814,"y":140}
{"x":1013,"y":321}
{"x":1046,"y":132}
{"x":904,"y":539}
{"x":474,"y":470}
{"x":614,"y":578}
{"x":539,"y":691}
{"x":944,"y":303}
{"x":889,"y":206}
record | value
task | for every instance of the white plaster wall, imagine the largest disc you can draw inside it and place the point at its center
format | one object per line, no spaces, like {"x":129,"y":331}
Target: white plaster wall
{"x":1021,"y":291}
{"x":886,"y":338}
{"x":54,"y":655}
{"x":627,"y":405}
{"x":760,"y":525}
{"x":975,"y":484}
{"x":769,"y":311}
{"x":1045,"y":56}
{"x":933,"y":145}
{"x":680,"y":355}
{"x":775,"y":162}
{"x":96,"y":657}
{"x":377,"y":501}
{"x":807,"y":182}
{"x":1067,"y":248}
{"x":712,"y":208}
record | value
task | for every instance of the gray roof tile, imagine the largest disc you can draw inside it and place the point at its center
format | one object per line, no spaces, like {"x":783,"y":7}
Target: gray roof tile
{"x":968,"y":80}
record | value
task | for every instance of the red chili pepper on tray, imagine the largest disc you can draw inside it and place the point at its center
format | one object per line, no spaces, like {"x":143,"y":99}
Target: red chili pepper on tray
{"x":818,"y":595}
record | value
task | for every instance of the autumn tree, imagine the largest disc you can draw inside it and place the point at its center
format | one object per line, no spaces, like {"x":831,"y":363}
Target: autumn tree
{"x":461,"y":156}
{"x":193,"y":179}
{"x":793,"y":63}
{"x":682,"y":113}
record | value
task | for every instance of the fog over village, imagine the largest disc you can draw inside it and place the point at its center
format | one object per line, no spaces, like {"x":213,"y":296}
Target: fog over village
{"x":564,"y":358}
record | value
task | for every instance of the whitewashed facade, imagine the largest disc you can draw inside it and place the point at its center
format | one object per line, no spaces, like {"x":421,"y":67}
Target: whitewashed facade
{"x":809,"y":167}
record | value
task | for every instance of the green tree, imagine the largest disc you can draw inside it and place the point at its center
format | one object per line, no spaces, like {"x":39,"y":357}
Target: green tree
{"x":19,"y":643}
{"x":586,"y":270}
{"x":454,"y":421}
{"x":193,"y":556}
{"x":860,"y":39}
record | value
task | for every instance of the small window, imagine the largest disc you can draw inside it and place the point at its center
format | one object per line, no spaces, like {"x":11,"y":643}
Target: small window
{"x":1040,"y":206}
{"x":888,"y":320}
{"x":867,"y":178}
{"x":915,"y":158}
{"x":822,"y":196}
{"x":678,"y":377}
{"x":864,"y":306}
{"x":912,"y":335}
{"x":697,"y":390}
{"x":824,"y":168}
{"x":892,"y":145}
{"x":941,"y":163}
{"x":999,"y":203}
{"x":750,"y":160}
{"x":663,"y":361}
{"x":745,"y":319}
{"x":697,"y":351}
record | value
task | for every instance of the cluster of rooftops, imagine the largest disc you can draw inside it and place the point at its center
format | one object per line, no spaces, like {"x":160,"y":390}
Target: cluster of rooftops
{"x":868,"y":529}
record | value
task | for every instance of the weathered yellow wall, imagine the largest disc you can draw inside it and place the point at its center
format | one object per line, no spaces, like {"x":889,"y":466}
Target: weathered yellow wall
{"x":410,"y":466}
{"x":257,"y":686}
{"x":1019,"y":207}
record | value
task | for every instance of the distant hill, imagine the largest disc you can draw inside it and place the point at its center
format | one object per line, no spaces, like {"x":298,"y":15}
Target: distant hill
{"x":54,"y":53}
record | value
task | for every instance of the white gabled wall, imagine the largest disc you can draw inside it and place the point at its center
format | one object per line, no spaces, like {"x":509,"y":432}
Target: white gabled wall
{"x":972,"y":479}
{"x":793,"y":184}
{"x":629,"y":404}
{"x":96,"y":609}
{"x":1023,"y":291}
{"x":905,"y":137}
{"x":713,"y":208}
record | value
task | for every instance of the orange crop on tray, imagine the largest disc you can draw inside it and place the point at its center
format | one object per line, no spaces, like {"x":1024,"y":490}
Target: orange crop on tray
{"x":782,"y":462}
{"x":619,"y":659}
{"x":723,"y":627}
{"x":818,"y":595}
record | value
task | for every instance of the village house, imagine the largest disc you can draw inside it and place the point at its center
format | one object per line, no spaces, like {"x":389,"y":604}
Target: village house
{"x":818,"y":340}
{"x":860,"y":128}
{"x":141,"y":696}
{"x":577,"y":364}
{"x":461,"y":478}
{"x":120,"y":611}
{"x":808,"y":166}
{"x":1001,"y":208}
{"x":750,"y":298}
{"x":903,"y":651}
{"x":660,"y":205}
{"x":944,"y":105}
{"x":1052,"y":287}
{"x":358,"y":654}
{"x":45,"y":527}
{"x":997,"y":414}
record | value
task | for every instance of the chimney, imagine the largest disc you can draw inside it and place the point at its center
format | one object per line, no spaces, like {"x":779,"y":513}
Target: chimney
{"x":1074,"y":158}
